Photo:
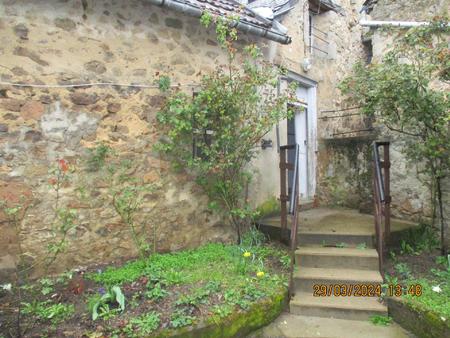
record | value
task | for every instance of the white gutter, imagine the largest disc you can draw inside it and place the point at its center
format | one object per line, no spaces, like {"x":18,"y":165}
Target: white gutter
{"x":374,"y":23}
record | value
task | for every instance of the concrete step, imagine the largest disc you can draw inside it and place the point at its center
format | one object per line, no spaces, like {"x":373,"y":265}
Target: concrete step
{"x":306,"y":278}
{"x":332,"y":257}
{"x":354,"y":308}
{"x":289,"y":325}
{"x":333,"y":238}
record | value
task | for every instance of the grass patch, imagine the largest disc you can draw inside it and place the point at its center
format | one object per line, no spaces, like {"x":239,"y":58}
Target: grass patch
{"x":435,"y":296}
{"x":417,"y":263}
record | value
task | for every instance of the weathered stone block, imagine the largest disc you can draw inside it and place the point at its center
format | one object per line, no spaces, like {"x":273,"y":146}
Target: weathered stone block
{"x":113,"y":107}
{"x":211,"y":42}
{"x":46,"y":99}
{"x":173,"y":23}
{"x":32,"y":110}
{"x":19,"y":71}
{"x":10,"y":116}
{"x":154,"y":18}
{"x":65,"y":23}
{"x":152,"y":176}
{"x":178,"y":60}
{"x":156,"y":100}
{"x":153,"y":38}
{"x":95,"y":66}
{"x":12,"y":104}
{"x":21,"y":31}
{"x":140,"y":72}
{"x":3,"y":128}
{"x":83,"y":98}
{"x":25,"y":52}
{"x":212,"y":55}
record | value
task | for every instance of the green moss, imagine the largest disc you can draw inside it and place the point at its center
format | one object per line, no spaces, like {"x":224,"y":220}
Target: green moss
{"x":416,"y":318}
{"x":269,"y":207}
{"x":238,"y":324}
{"x":350,"y":183}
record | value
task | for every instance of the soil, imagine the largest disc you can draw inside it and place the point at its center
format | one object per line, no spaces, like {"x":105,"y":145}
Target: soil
{"x":420,"y":265}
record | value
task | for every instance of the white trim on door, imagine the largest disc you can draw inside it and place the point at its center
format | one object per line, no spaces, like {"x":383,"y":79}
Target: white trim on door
{"x":310,"y":87}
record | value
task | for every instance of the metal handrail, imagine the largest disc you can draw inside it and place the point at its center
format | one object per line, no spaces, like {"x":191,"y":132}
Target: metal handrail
{"x":379,"y":174}
{"x":293,"y":202}
{"x":382,"y":199}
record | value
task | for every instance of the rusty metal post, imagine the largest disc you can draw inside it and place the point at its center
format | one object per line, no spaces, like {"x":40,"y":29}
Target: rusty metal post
{"x":377,"y":212}
{"x":294,"y":227}
{"x":283,"y":191}
{"x":387,"y":191}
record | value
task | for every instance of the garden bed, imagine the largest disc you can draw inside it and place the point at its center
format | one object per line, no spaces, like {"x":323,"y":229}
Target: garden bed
{"x":418,"y":318}
{"x":423,"y":309}
{"x":214,"y":291}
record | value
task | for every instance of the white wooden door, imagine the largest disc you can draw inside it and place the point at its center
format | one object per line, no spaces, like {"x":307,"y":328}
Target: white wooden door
{"x":301,"y":138}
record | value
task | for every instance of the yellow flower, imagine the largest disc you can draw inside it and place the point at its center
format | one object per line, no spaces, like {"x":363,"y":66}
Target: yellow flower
{"x":260,"y":274}
{"x":247,"y":254}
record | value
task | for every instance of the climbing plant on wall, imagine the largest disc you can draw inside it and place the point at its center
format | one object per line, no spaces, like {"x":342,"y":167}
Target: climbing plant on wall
{"x":408,"y":92}
{"x":215,"y":133}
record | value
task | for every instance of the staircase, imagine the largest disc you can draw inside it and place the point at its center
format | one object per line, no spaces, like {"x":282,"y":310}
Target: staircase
{"x":324,"y":270}
{"x":337,"y":273}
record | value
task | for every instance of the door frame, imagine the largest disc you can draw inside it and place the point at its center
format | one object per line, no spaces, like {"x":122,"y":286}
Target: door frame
{"x":311,"y":117}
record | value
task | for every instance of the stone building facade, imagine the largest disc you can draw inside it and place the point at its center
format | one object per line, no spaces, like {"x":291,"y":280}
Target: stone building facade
{"x":55,"y":44}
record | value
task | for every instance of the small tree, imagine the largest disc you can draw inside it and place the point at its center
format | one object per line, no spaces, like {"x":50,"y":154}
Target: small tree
{"x":236,"y":105}
{"x":407,"y":91}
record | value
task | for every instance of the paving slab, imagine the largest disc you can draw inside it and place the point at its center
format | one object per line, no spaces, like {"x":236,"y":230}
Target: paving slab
{"x":292,"y":326}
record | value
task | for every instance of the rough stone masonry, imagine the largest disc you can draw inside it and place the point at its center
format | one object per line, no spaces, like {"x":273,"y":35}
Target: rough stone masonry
{"x":60,"y":42}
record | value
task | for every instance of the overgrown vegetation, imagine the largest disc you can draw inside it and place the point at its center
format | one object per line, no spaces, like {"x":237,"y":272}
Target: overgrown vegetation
{"x":407,"y":91}
{"x":63,"y":221}
{"x":416,"y":262}
{"x":235,"y":106}
{"x":158,"y":292}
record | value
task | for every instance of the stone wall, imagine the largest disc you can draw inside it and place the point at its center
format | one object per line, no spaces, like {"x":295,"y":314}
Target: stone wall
{"x":336,"y":183}
{"x":131,"y":42}
{"x":346,"y":181}
{"x":124,"y":42}
{"x":407,"y":10}
{"x":410,"y":196}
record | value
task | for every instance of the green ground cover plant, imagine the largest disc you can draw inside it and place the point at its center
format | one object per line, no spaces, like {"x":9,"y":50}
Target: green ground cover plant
{"x":418,"y":262}
{"x":381,"y":320}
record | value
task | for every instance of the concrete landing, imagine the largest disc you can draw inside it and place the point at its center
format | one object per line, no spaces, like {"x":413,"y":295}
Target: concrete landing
{"x":339,"y":220}
{"x":293,"y":326}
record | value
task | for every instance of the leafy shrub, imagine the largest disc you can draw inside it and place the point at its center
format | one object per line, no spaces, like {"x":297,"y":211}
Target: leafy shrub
{"x":100,"y":306}
{"x":223,"y":310}
{"x":47,"y":311}
{"x":142,"y":325}
{"x":179,"y":318}
{"x":253,"y":237}
{"x":156,"y":292}
{"x":235,"y":107}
